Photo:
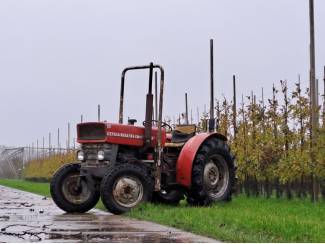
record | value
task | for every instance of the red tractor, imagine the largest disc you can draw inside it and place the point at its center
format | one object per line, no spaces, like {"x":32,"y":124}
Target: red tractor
{"x":126,"y":164}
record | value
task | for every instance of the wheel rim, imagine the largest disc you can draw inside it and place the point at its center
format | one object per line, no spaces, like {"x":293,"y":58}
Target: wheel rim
{"x":128,"y":191}
{"x":75,"y":192}
{"x":216,"y":176}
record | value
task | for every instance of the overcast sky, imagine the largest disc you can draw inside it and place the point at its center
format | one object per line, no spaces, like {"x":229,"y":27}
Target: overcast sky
{"x":59,"y":59}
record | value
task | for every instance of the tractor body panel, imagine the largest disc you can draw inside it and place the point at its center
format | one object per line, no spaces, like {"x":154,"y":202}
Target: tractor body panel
{"x":131,"y":135}
{"x":187,"y":155}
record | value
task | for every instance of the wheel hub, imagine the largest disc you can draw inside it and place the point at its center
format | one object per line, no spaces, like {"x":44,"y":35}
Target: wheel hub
{"x":211,"y":175}
{"x":216,"y":176}
{"x":128,"y":191}
{"x":75,"y":190}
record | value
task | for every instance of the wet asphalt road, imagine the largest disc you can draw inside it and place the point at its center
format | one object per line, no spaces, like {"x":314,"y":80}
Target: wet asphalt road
{"x":26,"y":217}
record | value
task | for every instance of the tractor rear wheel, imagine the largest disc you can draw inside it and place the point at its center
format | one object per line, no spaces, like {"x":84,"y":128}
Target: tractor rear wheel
{"x":213,"y":175}
{"x":168,"y":196}
{"x":125,"y":186}
{"x":71,"y":192}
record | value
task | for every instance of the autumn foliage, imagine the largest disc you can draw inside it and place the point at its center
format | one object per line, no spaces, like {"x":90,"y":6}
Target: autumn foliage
{"x":273,"y":146}
{"x":42,"y":169}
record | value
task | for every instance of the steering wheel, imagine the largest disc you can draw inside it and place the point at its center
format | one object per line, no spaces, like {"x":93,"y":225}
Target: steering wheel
{"x":163,"y":124}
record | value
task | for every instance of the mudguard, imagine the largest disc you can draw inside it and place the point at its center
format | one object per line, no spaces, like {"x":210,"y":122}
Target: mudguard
{"x":187,"y":156}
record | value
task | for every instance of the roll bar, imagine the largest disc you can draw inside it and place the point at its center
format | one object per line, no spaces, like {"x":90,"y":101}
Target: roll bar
{"x":148,"y":108}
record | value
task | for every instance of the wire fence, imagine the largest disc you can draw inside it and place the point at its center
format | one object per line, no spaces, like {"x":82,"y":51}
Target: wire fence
{"x":14,"y":159}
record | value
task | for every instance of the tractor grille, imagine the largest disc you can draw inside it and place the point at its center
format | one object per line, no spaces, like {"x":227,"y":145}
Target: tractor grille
{"x":91,"y":150}
{"x":92,"y":131}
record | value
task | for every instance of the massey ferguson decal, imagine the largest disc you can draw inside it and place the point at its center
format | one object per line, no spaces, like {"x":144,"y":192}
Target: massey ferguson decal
{"x":125,"y":135}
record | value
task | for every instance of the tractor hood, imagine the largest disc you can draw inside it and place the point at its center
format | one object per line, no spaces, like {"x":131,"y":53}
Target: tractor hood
{"x":99,"y":132}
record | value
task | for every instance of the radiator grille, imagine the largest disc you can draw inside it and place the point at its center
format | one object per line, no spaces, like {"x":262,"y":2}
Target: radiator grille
{"x":92,"y":131}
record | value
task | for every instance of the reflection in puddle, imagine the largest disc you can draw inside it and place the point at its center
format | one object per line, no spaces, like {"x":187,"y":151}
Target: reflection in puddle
{"x":27,"y":217}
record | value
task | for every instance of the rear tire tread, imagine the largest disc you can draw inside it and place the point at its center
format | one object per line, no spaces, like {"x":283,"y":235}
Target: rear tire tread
{"x":197,"y":194}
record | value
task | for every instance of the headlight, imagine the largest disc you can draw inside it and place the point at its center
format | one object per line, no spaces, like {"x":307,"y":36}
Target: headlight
{"x":100,"y":155}
{"x":80,"y":155}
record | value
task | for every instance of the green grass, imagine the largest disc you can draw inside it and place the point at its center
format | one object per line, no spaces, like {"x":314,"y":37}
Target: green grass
{"x":245,"y":219}
{"x":34,"y":187}
{"x":242,"y":220}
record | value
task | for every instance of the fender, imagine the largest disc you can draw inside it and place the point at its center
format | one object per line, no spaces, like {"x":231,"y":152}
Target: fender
{"x":187,"y":156}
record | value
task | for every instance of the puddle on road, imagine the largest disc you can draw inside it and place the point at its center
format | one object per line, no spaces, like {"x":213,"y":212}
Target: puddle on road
{"x":27,"y":217}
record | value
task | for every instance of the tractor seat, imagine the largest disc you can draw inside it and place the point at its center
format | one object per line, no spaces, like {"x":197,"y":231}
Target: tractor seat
{"x":180,"y":135}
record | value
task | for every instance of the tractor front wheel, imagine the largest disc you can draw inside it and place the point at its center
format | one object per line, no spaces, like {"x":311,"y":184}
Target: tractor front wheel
{"x":72,"y":192}
{"x":125,"y":186}
{"x":213,"y":175}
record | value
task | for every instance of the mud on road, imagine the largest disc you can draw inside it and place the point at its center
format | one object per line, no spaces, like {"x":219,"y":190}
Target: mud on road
{"x":27,"y":217}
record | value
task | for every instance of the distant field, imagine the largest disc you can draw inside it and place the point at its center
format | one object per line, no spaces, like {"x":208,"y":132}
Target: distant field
{"x":242,"y":220}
